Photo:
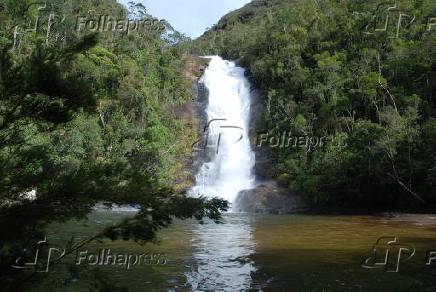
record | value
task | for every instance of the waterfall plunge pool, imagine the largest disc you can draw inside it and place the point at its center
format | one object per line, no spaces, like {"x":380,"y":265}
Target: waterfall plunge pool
{"x":256,"y":252}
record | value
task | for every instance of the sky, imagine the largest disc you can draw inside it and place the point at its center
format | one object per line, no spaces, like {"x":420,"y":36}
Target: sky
{"x":191,"y":17}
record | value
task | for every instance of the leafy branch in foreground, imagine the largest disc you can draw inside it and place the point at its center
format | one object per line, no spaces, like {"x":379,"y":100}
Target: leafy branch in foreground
{"x":90,"y":119}
{"x":160,"y":214}
{"x":143,"y":226}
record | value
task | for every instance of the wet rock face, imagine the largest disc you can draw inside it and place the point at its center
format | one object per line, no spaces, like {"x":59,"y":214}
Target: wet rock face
{"x":263,"y":168}
{"x":192,"y":114}
{"x":269,"y":198}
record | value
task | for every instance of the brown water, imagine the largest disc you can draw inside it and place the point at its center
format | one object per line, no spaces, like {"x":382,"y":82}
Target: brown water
{"x":260,"y":253}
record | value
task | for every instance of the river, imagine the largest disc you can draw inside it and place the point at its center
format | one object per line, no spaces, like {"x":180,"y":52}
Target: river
{"x":259,"y":253}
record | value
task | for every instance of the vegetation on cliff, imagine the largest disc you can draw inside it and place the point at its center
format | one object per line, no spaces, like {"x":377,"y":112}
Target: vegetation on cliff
{"x":359,"y":72}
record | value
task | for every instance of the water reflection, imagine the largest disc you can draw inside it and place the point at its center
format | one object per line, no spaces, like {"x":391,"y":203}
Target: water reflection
{"x":258,"y":252}
{"x":222,"y":255}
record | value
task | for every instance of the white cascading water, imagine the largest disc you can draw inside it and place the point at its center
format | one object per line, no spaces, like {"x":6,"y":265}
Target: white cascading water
{"x":222,"y":252}
{"x":229,"y":170}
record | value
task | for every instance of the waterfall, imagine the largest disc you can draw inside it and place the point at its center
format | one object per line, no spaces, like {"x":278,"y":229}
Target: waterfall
{"x":230,"y":160}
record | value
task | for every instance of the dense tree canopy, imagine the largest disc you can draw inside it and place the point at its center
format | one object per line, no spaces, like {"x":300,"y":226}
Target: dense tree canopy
{"x":84,"y":118}
{"x":360,"y":72}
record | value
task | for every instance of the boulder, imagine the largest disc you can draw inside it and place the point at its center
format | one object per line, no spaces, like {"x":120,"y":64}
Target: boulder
{"x":269,"y":198}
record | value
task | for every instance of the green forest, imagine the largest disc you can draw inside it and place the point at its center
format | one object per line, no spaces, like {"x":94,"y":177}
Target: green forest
{"x":360,"y":72}
{"x":90,"y":116}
